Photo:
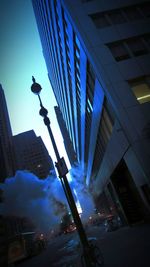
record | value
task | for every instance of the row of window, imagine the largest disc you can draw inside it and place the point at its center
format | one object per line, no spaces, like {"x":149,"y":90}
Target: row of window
{"x":66,"y":38}
{"x":67,"y":50}
{"x":76,"y":43}
{"x":69,"y":67}
{"x":60,"y":44}
{"x":131,"y":47}
{"x":121,"y":15}
{"x":104,"y":134}
{"x":90,"y":84}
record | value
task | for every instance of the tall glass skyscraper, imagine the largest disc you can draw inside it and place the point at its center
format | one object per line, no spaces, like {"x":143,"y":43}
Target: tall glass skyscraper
{"x":67,"y":142}
{"x":98,"y":60}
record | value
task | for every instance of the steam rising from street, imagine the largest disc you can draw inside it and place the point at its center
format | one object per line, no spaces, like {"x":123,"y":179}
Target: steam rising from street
{"x":83,"y":196}
{"x":42,"y":201}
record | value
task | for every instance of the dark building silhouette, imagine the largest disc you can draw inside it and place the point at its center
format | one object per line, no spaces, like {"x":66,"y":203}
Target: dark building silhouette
{"x":98,"y":60}
{"x":67,"y":141}
{"x":3,"y":242}
{"x":6,"y":159}
{"x":32,"y":155}
{"x":10,"y":228}
{"x":3,"y":164}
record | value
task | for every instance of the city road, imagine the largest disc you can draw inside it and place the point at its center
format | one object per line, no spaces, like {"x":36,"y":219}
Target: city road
{"x":125,"y":247}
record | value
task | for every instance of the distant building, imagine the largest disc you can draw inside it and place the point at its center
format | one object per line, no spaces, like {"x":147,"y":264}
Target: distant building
{"x":67,"y":141}
{"x":32,"y":155}
{"x":6,"y":159}
{"x":98,"y":59}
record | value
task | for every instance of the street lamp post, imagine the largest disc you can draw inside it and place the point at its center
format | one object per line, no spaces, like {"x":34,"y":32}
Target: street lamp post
{"x":62,"y":171}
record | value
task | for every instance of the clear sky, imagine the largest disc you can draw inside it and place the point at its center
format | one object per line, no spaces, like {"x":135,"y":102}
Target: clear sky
{"x":20,"y":58}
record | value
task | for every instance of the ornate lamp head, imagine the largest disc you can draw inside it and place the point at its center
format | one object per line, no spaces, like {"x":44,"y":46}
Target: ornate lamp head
{"x":35,"y":87}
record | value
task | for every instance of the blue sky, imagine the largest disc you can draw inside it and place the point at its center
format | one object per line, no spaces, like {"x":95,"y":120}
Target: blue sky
{"x":20,"y":58}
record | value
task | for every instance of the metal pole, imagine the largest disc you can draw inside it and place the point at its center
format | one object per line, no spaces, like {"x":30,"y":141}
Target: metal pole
{"x":61,"y":167}
{"x":62,"y":170}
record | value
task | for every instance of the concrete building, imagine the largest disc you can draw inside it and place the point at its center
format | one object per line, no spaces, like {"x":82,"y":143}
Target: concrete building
{"x":32,"y":155}
{"x":98,"y":60}
{"x":67,"y":141}
{"x":6,"y":159}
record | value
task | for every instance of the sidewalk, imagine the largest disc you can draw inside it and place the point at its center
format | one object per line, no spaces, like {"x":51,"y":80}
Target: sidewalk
{"x":127,"y":247}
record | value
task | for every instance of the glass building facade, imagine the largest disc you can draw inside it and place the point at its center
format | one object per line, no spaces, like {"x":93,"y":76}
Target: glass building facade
{"x":98,"y":60}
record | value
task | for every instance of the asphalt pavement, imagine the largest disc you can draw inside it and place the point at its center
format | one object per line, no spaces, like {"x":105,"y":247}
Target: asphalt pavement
{"x":125,"y":247}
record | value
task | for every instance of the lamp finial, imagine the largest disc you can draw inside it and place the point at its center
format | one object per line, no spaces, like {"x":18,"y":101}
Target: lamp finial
{"x":33,"y":79}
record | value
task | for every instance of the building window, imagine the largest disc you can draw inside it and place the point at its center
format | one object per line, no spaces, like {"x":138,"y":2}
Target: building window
{"x":127,"y":48}
{"x":89,"y":106}
{"x":119,"y":51}
{"x":77,"y":53}
{"x":77,"y":63}
{"x":123,"y":15}
{"x":117,"y":17}
{"x":137,"y":46}
{"x":100,"y":20}
{"x":133,"y":13}
{"x":76,"y":41}
{"x":141,"y":89}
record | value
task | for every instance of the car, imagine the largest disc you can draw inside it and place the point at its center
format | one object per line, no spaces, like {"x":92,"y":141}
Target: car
{"x":112,"y":223}
{"x":71,"y":228}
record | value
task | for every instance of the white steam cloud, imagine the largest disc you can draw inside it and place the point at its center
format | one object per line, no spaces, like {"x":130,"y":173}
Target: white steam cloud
{"x":43,"y":201}
{"x":84,"y":197}
{"x":39,"y":200}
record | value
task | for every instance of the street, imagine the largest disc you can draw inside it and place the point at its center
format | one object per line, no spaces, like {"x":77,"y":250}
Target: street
{"x":125,"y":247}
